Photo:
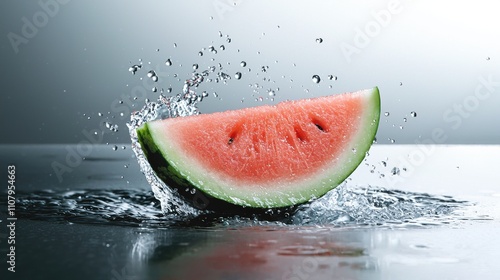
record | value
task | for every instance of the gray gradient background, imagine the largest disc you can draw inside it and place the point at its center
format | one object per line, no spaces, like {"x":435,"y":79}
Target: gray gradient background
{"x":78,"y":62}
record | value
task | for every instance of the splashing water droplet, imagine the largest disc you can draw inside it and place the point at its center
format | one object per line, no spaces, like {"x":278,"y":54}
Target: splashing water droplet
{"x":243,"y":64}
{"x":319,"y":40}
{"x":316,"y":79}
{"x":200,"y":53}
{"x":154,"y":89}
{"x":386,"y":114}
{"x":115,"y":148}
{"x":405,"y":119}
{"x":134,"y":68}
{"x":237,"y":75}
{"x":195,"y":66}
{"x":413,"y":114}
{"x":271,"y":92}
{"x":222,"y":47}
{"x":395,"y":171}
{"x":228,"y":40}
{"x":168,"y":62}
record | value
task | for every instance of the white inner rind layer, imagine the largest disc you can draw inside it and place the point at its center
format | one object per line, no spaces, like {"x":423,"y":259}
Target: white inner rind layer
{"x":276,"y":194}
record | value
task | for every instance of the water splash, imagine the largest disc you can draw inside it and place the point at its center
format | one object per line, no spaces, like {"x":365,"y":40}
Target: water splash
{"x":343,"y":207}
{"x":104,"y":207}
{"x":374,"y":206}
{"x":179,"y":105}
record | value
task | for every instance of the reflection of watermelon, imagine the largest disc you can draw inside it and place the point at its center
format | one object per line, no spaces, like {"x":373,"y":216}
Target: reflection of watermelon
{"x":268,"y":156}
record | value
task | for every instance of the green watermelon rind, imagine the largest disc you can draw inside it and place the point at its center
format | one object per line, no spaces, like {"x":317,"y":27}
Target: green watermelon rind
{"x":179,"y":171}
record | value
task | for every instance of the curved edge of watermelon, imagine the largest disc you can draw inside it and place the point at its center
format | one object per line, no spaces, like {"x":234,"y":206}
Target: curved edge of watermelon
{"x":166,"y":166}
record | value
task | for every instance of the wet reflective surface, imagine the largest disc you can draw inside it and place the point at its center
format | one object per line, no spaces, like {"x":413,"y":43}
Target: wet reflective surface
{"x":119,"y":231}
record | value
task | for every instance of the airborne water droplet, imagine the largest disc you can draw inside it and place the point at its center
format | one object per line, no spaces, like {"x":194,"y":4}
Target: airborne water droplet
{"x":271,"y":92}
{"x":413,"y":114}
{"x":155,"y":78}
{"x":243,"y":64}
{"x":319,"y":40}
{"x":115,"y":148}
{"x":195,"y":66}
{"x":237,"y":75}
{"x":386,"y":114}
{"x":168,"y":62}
{"x":222,"y":47}
{"x":395,"y":171}
{"x":316,"y":79}
{"x":134,"y":68}
{"x":154,"y":89}
{"x":200,"y":53}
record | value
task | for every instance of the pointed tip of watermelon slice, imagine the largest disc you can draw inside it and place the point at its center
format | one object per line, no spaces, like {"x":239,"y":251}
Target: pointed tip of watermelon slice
{"x":199,"y":152}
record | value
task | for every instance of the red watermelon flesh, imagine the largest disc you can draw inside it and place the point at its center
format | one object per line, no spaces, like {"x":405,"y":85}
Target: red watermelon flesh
{"x":267,"y":156}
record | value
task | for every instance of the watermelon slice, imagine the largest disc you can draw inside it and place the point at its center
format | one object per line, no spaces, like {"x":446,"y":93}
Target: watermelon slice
{"x":267,"y":156}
